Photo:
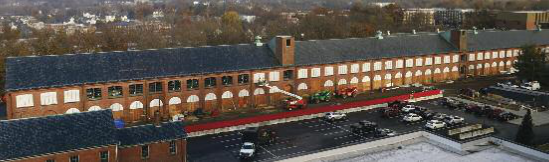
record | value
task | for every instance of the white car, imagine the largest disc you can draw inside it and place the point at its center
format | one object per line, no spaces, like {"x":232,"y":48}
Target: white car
{"x":408,"y":108}
{"x":531,"y":85}
{"x":412,"y":118}
{"x":332,"y":116}
{"x":435,"y":124}
{"x":247,"y":150}
{"x":453,"y":120}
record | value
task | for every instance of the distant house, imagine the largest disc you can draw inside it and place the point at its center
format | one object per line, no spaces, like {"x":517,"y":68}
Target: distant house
{"x":89,"y":137}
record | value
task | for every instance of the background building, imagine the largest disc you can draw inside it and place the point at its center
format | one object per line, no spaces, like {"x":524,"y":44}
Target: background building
{"x":522,"y":20}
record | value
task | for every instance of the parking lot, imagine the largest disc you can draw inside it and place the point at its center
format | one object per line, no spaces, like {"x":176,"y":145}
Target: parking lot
{"x":314,"y":135}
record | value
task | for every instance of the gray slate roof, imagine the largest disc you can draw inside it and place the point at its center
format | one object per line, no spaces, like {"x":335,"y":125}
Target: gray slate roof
{"x":145,"y":134}
{"x":52,"y":71}
{"x":36,"y":136}
{"x":341,"y":50}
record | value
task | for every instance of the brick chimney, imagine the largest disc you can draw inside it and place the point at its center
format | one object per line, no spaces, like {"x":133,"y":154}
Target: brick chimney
{"x":284,"y":49}
{"x":459,"y":39}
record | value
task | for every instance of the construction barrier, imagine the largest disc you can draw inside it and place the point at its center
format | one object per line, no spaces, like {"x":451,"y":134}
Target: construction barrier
{"x":464,"y":129}
{"x":303,"y":114}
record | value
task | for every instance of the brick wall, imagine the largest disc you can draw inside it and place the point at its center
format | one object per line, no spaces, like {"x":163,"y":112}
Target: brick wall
{"x":87,"y":155}
{"x":158,"y":152}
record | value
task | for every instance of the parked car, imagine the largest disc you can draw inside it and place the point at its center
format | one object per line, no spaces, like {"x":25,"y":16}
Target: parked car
{"x":412,"y":118}
{"x":418,"y":110}
{"x":247,"y":150}
{"x":495,"y":113}
{"x":428,"y":114}
{"x":534,"y":85}
{"x":382,"y":132}
{"x":408,"y":108}
{"x":390,"y":112}
{"x":453,"y":120}
{"x":333,"y":116}
{"x":506,"y":116}
{"x":439,"y":116}
{"x":435,"y":124}
{"x":363,"y":127}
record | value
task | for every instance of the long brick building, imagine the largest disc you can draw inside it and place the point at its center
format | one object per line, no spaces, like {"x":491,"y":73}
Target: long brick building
{"x":136,"y":83}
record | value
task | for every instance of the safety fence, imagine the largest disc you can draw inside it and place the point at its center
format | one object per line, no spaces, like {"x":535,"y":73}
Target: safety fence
{"x":303,"y":114}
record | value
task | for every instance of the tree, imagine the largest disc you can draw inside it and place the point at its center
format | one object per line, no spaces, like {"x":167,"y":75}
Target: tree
{"x":525,"y":132}
{"x":531,"y":64}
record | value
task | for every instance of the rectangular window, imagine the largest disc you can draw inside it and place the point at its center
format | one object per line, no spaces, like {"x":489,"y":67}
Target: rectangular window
{"x":480,"y":56}
{"x":136,"y":89}
{"x":438,"y":60}
{"x":355,"y":68}
{"x":509,"y":53}
{"x":388,"y":65}
{"x":115,"y":91}
{"x":342,"y":69}
{"x":471,"y":57}
{"x":104,"y":156}
{"x":494,"y":55}
{"x":155,"y":87}
{"x":419,"y":62}
{"x":455,"y":59}
{"x":377,"y":66}
{"x":447,"y":59}
{"x":227,"y":80}
{"x":210,"y":82}
{"x":243,"y":79}
{"x":50,"y":160}
{"x":428,"y":61}
{"x":288,"y":74}
{"x":302,"y":73}
{"x":410,"y":63}
{"x":329,"y":71}
{"x":501,"y":54}
{"x":315,"y":72}
{"x":145,"y":151}
{"x":515,"y":53}
{"x":48,"y":98}
{"x":399,"y":64}
{"x":487,"y":55}
{"x":192,"y":84}
{"x":366,"y":67}
{"x":93,"y":93}
{"x":74,"y":159}
{"x":174,"y":85}
{"x":274,"y":76}
{"x":72,"y":96}
{"x":259,"y":77}
{"x":173,"y":148}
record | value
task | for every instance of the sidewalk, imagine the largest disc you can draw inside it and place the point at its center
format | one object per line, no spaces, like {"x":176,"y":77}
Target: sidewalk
{"x":539,"y":118}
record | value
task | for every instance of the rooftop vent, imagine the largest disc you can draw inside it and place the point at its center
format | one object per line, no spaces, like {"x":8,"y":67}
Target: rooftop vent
{"x":258,"y":41}
{"x":379,"y":34}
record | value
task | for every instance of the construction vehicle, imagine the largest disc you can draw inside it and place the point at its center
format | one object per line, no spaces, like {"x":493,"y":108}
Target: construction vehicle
{"x":363,"y":127}
{"x":294,"y":102}
{"x":322,"y":96}
{"x":347,"y":92}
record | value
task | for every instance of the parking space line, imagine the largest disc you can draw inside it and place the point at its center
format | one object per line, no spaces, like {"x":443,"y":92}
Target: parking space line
{"x":268,"y":151}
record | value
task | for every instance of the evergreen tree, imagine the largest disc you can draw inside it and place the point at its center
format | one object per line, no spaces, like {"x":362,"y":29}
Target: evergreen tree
{"x":531,"y":64}
{"x":525,"y":132}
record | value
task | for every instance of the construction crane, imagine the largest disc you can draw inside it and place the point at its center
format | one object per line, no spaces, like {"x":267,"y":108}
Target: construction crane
{"x":296,"y":102}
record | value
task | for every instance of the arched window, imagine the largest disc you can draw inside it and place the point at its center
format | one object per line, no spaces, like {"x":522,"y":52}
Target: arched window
{"x":116,"y":107}
{"x":455,"y":68}
{"x":174,"y":101}
{"x":72,"y":111}
{"x":210,"y":96}
{"x":446,"y":69}
{"x":354,"y":80}
{"x":428,"y":72}
{"x":342,"y":82}
{"x":437,"y":71}
{"x":259,"y":91}
{"x":227,"y":94}
{"x":94,"y":108}
{"x":193,"y":98}
{"x":328,"y":83}
{"x":365,"y":79}
{"x":377,"y":78}
{"x":302,"y":86}
{"x":136,"y":105}
{"x":243,"y":93}
{"x":398,"y":75}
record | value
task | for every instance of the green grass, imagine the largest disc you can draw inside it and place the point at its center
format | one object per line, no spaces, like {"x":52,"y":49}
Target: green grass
{"x":544,"y":147}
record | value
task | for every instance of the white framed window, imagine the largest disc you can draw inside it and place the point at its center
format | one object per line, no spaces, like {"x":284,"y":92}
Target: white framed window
{"x":342,"y":69}
{"x":302,"y":73}
{"x":258,"y":77}
{"x":438,"y":60}
{"x":410,"y":63}
{"x":388,"y":65}
{"x":455,"y":58}
{"x":399,"y":64}
{"x":72,"y":96}
{"x":329,"y":71}
{"x":471,"y":57}
{"x":428,"y":61}
{"x":48,"y":98}
{"x":377,"y":66}
{"x":515,"y":52}
{"x":24,"y":100}
{"x":355,"y":68}
{"x":501,"y":54}
{"x":447,"y":59}
{"x":274,"y":76}
{"x":509,"y":53}
{"x":315,"y":72}
{"x":366,"y":67}
{"x":419,"y":62}
{"x":480,"y":56}
{"x":487,"y":55}
{"x":494,"y":55}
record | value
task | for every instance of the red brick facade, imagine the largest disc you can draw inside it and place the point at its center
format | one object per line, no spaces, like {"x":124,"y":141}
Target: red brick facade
{"x":158,"y":152}
{"x":84,"y":155}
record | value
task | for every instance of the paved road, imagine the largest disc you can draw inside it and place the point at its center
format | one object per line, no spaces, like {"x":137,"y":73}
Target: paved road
{"x":309,"y":136}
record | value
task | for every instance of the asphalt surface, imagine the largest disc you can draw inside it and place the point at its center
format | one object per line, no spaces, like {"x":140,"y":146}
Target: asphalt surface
{"x":314,"y":135}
